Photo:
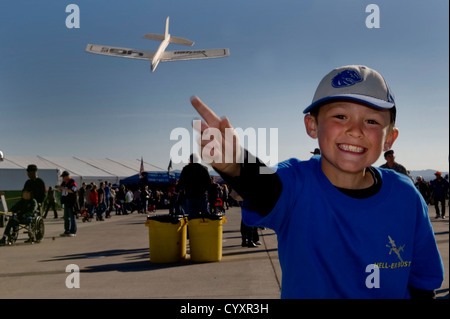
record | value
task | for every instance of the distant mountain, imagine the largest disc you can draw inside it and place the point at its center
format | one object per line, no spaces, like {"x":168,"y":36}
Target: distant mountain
{"x":427,"y":174}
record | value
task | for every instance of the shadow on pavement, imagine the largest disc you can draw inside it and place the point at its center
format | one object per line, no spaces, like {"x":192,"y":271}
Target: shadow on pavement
{"x":99,"y":254}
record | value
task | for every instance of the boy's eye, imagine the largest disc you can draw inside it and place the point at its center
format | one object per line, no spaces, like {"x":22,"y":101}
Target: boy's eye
{"x":374,"y":122}
{"x":340,"y":116}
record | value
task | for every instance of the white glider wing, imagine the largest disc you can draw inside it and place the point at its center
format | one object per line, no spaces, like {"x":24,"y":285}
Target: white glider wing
{"x":194,"y":54}
{"x":120,"y":52}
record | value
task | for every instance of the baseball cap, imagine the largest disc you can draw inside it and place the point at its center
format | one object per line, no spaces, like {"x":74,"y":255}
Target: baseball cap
{"x":354,"y":82}
{"x":31,"y":168}
{"x":65,"y":173}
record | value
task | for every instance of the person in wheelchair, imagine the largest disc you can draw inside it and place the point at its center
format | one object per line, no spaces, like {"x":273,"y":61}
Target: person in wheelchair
{"x":23,"y":212}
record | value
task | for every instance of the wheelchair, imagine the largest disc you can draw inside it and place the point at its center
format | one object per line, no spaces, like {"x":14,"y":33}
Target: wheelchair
{"x":34,"y":227}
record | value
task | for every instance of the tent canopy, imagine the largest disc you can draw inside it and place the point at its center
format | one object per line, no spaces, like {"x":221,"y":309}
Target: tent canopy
{"x":13,"y":169}
{"x":152,"y":178}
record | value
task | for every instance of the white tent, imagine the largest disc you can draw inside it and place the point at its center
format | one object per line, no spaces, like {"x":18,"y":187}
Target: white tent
{"x":13,"y":169}
{"x":13,"y":176}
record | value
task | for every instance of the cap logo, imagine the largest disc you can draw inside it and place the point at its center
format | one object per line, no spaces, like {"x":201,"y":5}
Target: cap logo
{"x":346,"y":78}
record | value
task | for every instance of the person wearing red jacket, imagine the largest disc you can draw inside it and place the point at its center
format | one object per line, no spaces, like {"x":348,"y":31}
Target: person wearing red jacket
{"x":93,"y":200}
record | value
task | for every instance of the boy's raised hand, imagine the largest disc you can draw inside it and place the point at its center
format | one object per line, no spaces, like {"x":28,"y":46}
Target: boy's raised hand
{"x":219,"y":142}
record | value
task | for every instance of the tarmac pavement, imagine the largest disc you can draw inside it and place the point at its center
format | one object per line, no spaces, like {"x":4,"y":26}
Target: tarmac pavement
{"x":113,"y":259}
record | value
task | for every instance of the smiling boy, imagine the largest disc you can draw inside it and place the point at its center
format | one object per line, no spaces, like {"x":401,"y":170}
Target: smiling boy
{"x":351,"y":137}
{"x":336,"y":215}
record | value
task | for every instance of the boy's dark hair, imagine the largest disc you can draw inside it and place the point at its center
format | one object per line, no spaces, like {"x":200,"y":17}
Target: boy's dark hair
{"x":392,"y":111}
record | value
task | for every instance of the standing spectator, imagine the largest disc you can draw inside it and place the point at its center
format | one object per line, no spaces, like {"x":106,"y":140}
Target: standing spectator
{"x":101,"y":207}
{"x":158,"y":197}
{"x":439,"y":190}
{"x":145,"y":197}
{"x":423,"y":188}
{"x":120,"y":201}
{"x":111,"y":202}
{"x":392,"y":164}
{"x":87,"y":199}
{"x":68,"y":189}
{"x":195,"y":181}
{"x":36,"y":185}
{"x":93,"y":200}
{"x":82,"y":197}
{"x":172,"y":193}
{"x":137,"y":203}
{"x":249,"y":235}
{"x":107,"y":190}
{"x":213,"y":194}
{"x":225,"y":195}
{"x":128,"y":201}
{"x":51,"y":202}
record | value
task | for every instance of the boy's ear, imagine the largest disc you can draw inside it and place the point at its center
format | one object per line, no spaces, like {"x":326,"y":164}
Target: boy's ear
{"x":390,"y":139}
{"x":311,"y":125}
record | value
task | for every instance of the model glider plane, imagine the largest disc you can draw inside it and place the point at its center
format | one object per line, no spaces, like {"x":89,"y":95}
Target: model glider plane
{"x":161,"y":54}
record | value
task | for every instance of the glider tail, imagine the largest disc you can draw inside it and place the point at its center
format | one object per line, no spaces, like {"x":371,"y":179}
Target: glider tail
{"x":166,"y":34}
{"x":162,"y":37}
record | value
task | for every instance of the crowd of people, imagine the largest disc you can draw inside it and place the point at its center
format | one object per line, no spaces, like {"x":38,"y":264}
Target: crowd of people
{"x":99,"y":201}
{"x":195,"y":192}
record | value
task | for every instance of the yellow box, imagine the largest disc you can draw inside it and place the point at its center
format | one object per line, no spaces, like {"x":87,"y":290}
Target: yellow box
{"x":205,"y":239}
{"x":167,"y":241}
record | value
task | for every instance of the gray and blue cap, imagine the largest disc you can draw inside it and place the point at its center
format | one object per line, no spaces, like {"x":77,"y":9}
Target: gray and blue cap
{"x":353,"y":82}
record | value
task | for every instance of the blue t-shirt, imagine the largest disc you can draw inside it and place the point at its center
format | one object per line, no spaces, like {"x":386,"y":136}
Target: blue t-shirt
{"x":327,"y":240}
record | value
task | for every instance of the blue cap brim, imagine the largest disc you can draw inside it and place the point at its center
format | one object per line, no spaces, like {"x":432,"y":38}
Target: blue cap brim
{"x":371,"y":101}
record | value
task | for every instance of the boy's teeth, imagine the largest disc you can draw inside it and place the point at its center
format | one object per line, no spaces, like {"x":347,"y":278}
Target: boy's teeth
{"x":351,"y":148}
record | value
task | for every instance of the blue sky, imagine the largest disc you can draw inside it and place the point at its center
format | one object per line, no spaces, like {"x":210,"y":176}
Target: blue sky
{"x":58,"y":100}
